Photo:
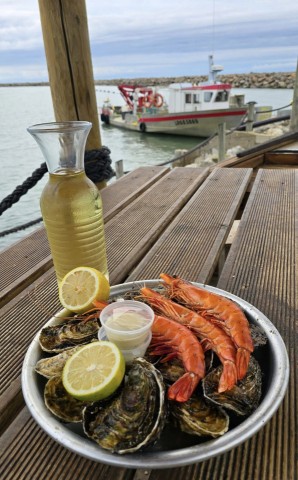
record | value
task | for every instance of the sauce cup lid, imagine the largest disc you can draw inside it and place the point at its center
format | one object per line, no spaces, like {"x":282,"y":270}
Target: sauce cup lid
{"x":127,"y":306}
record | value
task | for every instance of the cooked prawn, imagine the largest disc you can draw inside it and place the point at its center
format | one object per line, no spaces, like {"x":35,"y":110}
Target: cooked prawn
{"x":172,"y":339}
{"x":219,"y":310}
{"x":212,"y":336}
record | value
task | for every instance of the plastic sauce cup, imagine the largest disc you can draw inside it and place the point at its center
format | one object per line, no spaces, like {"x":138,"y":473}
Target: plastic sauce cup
{"x":127,"y":324}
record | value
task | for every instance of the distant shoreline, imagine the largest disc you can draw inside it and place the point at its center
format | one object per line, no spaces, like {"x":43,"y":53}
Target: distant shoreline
{"x":248,"y":80}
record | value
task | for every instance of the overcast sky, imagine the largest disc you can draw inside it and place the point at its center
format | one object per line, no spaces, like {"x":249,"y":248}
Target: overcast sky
{"x":156,"y":38}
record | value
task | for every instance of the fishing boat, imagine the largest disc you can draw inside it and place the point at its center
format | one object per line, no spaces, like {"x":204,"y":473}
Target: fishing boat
{"x":179,"y":109}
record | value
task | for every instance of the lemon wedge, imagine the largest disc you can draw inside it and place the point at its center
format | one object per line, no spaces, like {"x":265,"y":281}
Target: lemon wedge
{"x":94,"y":372}
{"x":81,"y":287}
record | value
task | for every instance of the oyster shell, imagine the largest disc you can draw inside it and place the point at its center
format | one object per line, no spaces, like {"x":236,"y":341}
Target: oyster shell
{"x":57,"y":338}
{"x":134,"y":417}
{"x":49,"y":367}
{"x":197,"y":417}
{"x":60,"y":403}
{"x":244,"y":397}
{"x":258,"y":336}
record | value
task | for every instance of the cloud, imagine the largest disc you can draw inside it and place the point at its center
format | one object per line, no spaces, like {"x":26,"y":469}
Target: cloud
{"x":157,"y":38}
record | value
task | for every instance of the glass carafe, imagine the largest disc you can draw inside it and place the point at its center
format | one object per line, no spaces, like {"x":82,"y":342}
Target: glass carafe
{"x":70,"y":203}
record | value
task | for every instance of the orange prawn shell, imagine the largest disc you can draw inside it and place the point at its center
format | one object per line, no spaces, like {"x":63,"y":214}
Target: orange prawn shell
{"x":183,"y":341}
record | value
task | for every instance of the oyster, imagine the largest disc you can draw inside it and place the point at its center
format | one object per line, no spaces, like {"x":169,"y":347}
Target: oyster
{"x":196,"y":417}
{"x":57,"y":338}
{"x":244,"y":397}
{"x":60,"y":403}
{"x":134,"y":417}
{"x":258,"y":336}
{"x":49,"y":367}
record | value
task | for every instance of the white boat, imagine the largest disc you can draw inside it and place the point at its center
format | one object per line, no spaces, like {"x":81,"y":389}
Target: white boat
{"x":180,"y":109}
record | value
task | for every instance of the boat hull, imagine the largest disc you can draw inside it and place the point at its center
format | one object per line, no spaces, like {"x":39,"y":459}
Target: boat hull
{"x":193,"y":124}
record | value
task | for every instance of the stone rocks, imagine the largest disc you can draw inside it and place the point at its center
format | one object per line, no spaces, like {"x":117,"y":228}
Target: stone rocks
{"x":245,"y":80}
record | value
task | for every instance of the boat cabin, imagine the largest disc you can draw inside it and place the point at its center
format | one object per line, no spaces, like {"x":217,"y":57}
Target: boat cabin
{"x":198,"y":97}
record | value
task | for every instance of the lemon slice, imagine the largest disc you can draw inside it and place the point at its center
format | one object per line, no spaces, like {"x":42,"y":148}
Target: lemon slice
{"x":94,"y":372}
{"x":81,"y":287}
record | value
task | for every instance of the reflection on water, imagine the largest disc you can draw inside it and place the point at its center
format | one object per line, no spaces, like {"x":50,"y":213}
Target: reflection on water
{"x":139,"y":149}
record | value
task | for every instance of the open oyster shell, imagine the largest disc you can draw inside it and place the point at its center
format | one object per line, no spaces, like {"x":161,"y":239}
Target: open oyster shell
{"x":68,"y":334}
{"x":60,"y":403}
{"x":244,"y":397}
{"x":133,"y":418}
{"x":197,"y":417}
{"x":52,"y":366}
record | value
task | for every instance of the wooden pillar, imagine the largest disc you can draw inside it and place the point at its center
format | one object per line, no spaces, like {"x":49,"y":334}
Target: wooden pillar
{"x":221,"y":141}
{"x":66,"y":41}
{"x":294,"y":114}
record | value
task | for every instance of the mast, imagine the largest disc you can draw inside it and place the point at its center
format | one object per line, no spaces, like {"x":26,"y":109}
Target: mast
{"x":213,"y":71}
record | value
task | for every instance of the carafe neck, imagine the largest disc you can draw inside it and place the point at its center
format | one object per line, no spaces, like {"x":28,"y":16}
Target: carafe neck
{"x":62,"y":144}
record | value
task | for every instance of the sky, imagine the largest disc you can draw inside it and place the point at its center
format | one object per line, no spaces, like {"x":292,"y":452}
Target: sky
{"x":159,"y":38}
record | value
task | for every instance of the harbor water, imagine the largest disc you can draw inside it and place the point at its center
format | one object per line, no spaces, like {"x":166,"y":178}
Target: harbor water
{"x":20,"y":155}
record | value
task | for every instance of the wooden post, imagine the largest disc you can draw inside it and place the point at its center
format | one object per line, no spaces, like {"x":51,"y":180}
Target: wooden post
{"x":66,"y":41}
{"x":119,"y":168}
{"x":250,"y":116}
{"x":294,"y":113}
{"x":221,"y":141}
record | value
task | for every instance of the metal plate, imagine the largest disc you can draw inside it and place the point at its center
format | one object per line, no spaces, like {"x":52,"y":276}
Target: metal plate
{"x":174,"y":449}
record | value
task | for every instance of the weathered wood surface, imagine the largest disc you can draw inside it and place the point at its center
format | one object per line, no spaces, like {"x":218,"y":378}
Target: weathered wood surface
{"x":192,"y":244}
{"x":66,"y":41}
{"x":261,"y":268}
{"x":282,"y":158}
{"x":255,"y":156}
{"x":132,"y":232}
{"x":29,"y":258}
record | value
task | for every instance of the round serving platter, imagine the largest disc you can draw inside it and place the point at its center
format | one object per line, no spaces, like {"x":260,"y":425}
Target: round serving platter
{"x":174,"y":449}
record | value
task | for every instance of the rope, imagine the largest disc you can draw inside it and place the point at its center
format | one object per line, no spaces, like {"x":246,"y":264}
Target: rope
{"x":97,"y":166}
{"x":20,"y":190}
{"x":275,"y":109}
{"x":20,"y":227}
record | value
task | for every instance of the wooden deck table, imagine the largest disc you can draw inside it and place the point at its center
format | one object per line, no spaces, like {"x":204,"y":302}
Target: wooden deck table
{"x":176,"y":221}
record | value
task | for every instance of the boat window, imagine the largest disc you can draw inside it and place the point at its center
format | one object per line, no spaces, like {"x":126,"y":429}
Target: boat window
{"x":188,"y":98}
{"x":221,"y":96}
{"x":196,"y":98}
{"x":207,"y":96}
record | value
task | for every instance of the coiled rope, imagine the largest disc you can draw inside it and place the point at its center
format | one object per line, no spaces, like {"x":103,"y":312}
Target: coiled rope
{"x":97,"y":166}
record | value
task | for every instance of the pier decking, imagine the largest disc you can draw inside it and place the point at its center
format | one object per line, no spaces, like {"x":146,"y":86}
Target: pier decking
{"x":177,"y":221}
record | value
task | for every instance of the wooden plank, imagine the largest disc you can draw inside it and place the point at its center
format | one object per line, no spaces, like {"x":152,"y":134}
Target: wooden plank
{"x":133,"y":231}
{"x":285,"y":158}
{"x":120,"y":193}
{"x":191,"y":245}
{"x":26,"y":452}
{"x":22,"y":263}
{"x":235,"y":162}
{"x":30,"y":257}
{"x":262,"y":268}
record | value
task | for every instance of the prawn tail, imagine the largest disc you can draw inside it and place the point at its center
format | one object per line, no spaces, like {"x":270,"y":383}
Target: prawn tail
{"x":228,"y":377}
{"x":242,"y":361}
{"x":184,"y":387}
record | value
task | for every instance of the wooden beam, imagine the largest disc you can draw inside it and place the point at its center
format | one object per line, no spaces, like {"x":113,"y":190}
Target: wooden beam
{"x":67,"y":48}
{"x":289,"y":158}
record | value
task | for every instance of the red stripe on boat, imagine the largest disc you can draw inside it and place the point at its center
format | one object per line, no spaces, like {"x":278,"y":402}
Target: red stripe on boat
{"x":219,"y":86}
{"x":187,"y":117}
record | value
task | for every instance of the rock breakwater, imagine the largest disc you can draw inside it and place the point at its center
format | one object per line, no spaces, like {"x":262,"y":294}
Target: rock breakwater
{"x":248,"y":80}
